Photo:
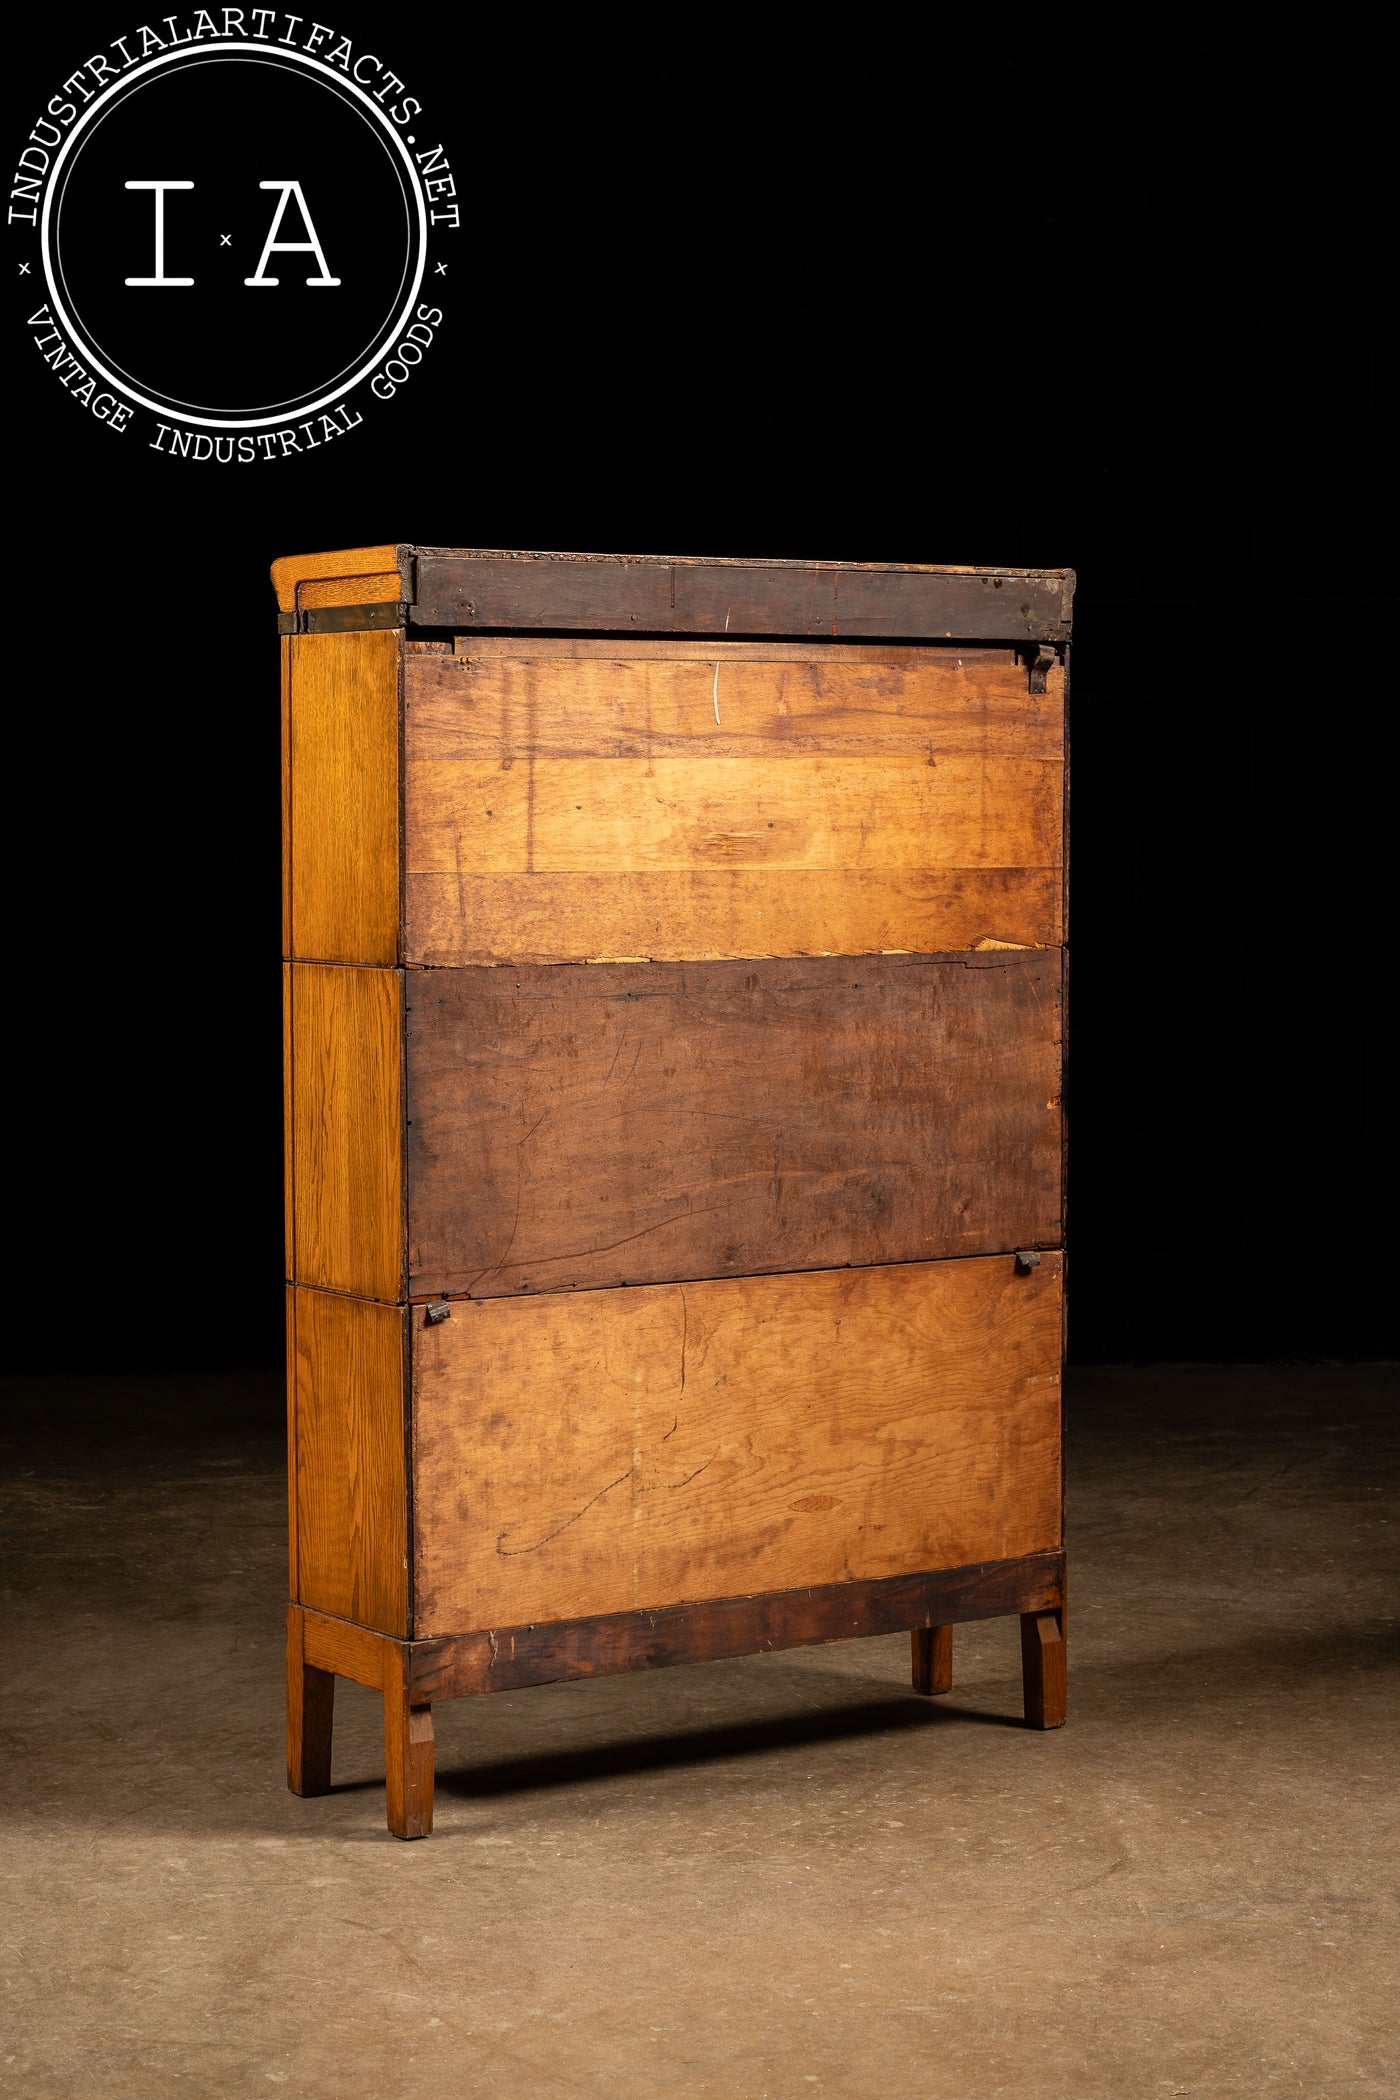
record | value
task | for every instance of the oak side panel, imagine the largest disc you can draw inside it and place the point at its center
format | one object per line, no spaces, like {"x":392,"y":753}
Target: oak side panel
{"x":344,"y":775}
{"x":351,"y":1523}
{"x":290,"y":1377}
{"x":346,"y":1092}
{"x":578,"y":1454}
{"x":579,"y":1125}
{"x":573,"y":808}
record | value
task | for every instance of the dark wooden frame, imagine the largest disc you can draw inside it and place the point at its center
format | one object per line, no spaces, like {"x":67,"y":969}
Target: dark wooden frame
{"x":502,"y":590}
{"x":412,"y":1674}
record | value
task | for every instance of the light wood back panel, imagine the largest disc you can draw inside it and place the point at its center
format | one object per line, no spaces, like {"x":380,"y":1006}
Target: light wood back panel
{"x":344,"y":1036}
{"x":341,"y":805}
{"x":346,"y":1400}
{"x":740,"y":801}
{"x":610,"y":1450}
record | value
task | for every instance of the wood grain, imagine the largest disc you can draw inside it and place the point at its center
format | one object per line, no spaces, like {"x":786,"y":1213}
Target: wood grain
{"x":506,"y":1658}
{"x":574,"y":1126}
{"x":569,"y":808}
{"x":408,"y":1752}
{"x":570,"y":697}
{"x":807,"y":810}
{"x":352,"y":1512}
{"x":345,"y":1031}
{"x":289,"y":1375}
{"x":310,"y":1714}
{"x":609,"y":1450}
{"x":290,"y":570}
{"x":931,"y":1660}
{"x":350,"y":590}
{"x":1044,"y":1676}
{"x":543,"y":918}
{"x":479,"y":588}
{"x":352,"y":1651}
{"x":342,"y":766}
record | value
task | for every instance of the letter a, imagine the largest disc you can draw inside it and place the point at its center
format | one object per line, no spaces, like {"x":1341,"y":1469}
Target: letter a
{"x":311,"y":247}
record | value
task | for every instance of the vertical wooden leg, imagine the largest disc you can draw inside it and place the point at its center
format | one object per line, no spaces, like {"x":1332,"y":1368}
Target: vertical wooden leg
{"x":1043,"y":1672}
{"x":933,"y":1659}
{"x":310,"y":1713}
{"x":408,"y":1754}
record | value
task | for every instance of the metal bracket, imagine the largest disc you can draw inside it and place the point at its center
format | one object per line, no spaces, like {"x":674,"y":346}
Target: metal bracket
{"x":343,"y":619}
{"x":1026,"y":1260}
{"x":433,"y":1314}
{"x":1038,"y":660}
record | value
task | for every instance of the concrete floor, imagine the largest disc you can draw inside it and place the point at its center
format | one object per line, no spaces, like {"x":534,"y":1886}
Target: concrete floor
{"x":781,"y":1876}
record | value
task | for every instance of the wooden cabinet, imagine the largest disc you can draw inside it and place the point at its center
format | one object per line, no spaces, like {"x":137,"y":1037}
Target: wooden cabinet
{"x":674,"y":1139}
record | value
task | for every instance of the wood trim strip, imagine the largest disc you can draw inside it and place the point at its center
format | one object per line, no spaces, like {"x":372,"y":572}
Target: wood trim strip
{"x":462,"y":589}
{"x":348,"y":1651}
{"x":511,"y":1657}
{"x":681,"y":649}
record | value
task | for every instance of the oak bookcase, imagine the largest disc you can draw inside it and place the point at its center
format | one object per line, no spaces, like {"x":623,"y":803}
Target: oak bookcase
{"x":673,"y":982}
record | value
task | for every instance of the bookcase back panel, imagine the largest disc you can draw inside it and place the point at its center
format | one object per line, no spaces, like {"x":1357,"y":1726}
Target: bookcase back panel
{"x":589,"y":806}
{"x":614,"y":1450}
{"x":577,"y":1126}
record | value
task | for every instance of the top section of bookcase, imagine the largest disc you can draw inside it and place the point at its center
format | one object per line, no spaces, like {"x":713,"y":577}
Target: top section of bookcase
{"x":485,"y":590}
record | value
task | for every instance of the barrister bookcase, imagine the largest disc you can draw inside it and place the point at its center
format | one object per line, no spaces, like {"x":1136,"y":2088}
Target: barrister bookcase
{"x":674,"y":958}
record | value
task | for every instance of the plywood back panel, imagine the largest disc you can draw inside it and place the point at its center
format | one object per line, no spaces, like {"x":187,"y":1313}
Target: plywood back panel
{"x":575,"y":1126}
{"x":347,"y":1383}
{"x":582,"y":806}
{"x":344,"y":1084}
{"x":341,"y":796}
{"x":612,"y":1450}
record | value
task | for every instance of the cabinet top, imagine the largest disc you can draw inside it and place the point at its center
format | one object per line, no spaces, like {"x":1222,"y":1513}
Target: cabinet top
{"x":488,"y":588}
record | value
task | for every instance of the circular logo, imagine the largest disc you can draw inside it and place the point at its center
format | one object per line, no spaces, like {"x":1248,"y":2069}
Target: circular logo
{"x":233,"y":233}
{"x":234,"y":236}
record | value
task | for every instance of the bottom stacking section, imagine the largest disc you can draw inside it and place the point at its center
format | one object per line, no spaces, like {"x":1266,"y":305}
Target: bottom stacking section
{"x":504,"y":1492}
{"x":577,"y":1454}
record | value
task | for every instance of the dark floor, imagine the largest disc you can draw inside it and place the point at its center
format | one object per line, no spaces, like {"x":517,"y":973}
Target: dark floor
{"x":779,"y":1876}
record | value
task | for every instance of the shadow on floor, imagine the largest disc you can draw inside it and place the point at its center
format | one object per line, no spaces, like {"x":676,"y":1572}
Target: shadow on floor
{"x":699,"y":1746}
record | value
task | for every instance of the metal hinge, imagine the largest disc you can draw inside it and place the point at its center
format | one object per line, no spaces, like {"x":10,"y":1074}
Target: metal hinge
{"x":1038,"y":657}
{"x":343,"y":619}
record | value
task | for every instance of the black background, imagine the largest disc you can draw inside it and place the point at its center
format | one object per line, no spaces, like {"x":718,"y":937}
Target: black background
{"x":1072,"y":293}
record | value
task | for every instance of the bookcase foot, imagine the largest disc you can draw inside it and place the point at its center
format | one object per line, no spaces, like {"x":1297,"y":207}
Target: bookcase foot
{"x":310,"y":1714}
{"x":1043,"y":1673}
{"x":408,"y":1753}
{"x":932,"y":1659}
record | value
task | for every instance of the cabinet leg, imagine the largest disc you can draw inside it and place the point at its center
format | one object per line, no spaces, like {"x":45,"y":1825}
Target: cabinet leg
{"x":1043,"y":1673}
{"x":408,"y":1755}
{"x":310,"y":1713}
{"x":933,"y":1659}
